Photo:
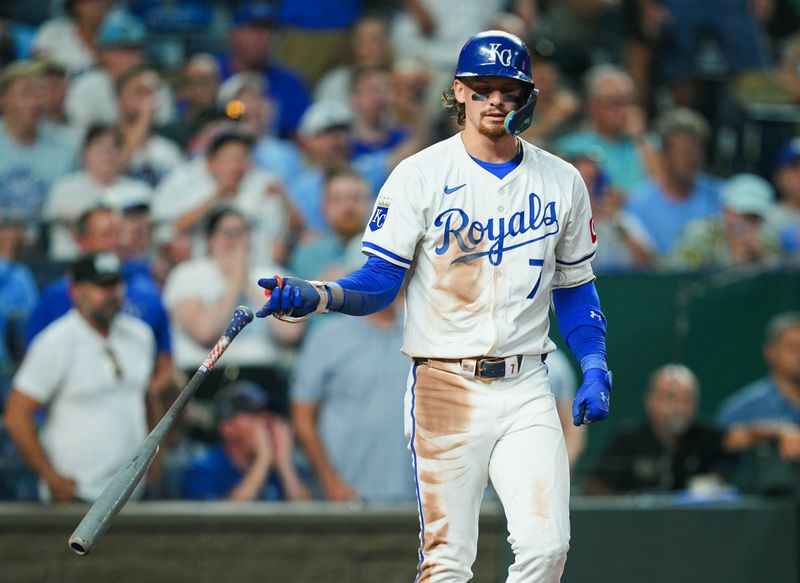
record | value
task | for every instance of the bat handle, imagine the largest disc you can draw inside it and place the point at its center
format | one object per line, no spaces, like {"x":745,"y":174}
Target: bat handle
{"x":242,"y":316}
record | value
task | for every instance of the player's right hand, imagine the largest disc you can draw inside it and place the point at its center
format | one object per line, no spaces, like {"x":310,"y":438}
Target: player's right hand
{"x":288,"y":296}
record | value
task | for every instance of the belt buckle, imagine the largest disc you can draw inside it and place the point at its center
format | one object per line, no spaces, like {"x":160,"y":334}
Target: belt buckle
{"x":478,"y":365}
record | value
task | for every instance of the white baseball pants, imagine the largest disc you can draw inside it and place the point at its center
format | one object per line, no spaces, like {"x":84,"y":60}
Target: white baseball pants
{"x":463,"y":432}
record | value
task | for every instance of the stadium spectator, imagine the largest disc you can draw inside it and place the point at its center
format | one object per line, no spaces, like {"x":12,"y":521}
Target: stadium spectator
{"x":645,"y":23}
{"x":346,"y":206}
{"x":712,"y":38}
{"x":786,"y":217}
{"x":146,"y":155}
{"x":197,"y":94}
{"x":201,"y":294}
{"x":225,"y":175}
{"x":666,"y":452}
{"x":249,"y":50}
{"x":370,"y":48}
{"x":324,"y":136}
{"x":625,"y":241}
{"x":71,"y":40}
{"x":53,"y":104}
{"x":91,"y":369}
{"x":93,"y":97}
{"x":314,"y":41}
{"x":614,"y":125}
{"x":18,"y":294}
{"x":244,"y":97}
{"x":172,"y":247}
{"x":680,"y":191}
{"x":741,"y":236}
{"x":99,"y":182}
{"x":768,"y":410}
{"x":346,"y":402}
{"x":33,"y":158}
{"x":98,"y":230}
{"x":373,"y":128}
{"x":557,"y":106}
{"x":254,"y":459}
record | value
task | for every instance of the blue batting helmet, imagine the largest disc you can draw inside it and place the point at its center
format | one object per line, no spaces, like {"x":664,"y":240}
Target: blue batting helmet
{"x":494,"y":53}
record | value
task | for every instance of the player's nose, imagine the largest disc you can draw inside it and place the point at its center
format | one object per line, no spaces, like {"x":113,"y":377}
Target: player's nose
{"x":495,"y":98}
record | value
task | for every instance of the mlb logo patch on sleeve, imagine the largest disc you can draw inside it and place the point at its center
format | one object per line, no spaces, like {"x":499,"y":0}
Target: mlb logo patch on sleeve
{"x":379,"y":216}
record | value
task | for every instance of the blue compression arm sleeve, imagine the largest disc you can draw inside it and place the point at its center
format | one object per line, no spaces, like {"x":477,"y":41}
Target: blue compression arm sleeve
{"x":371,"y":288}
{"x":582,"y":324}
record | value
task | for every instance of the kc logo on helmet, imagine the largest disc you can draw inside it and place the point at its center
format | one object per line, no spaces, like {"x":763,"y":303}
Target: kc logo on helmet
{"x":495,"y":54}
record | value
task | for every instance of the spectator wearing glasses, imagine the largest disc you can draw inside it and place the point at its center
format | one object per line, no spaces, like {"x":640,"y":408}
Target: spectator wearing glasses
{"x":91,"y":370}
{"x":202,"y":293}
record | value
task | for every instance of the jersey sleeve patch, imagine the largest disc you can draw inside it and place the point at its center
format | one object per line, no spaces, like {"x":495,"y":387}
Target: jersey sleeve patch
{"x":373,"y":249}
{"x":379,"y":214}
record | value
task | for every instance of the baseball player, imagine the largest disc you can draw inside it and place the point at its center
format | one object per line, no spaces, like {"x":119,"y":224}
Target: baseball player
{"x":488,"y":232}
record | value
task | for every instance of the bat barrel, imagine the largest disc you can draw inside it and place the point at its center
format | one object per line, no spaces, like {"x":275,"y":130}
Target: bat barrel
{"x":122,"y":485}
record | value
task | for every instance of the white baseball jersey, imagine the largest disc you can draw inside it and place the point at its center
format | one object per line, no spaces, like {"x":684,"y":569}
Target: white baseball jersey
{"x":483,"y":252}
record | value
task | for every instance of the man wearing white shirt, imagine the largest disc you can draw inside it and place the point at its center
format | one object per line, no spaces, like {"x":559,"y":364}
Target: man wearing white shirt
{"x":91,"y":369}
{"x":92,"y":96}
{"x":100,"y":182}
{"x":226,"y":175}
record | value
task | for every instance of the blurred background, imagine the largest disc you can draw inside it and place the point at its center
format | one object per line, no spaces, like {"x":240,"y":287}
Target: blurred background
{"x":158,"y":156}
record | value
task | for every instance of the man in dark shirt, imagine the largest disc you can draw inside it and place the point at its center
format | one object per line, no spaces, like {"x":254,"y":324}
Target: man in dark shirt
{"x":664,"y":453}
{"x":253,"y":459}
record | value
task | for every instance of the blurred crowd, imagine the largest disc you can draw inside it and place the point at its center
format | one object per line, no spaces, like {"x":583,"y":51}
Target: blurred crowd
{"x":158,"y":157}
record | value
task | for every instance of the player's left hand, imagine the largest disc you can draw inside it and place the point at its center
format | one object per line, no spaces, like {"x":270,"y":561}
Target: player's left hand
{"x":593,"y":398}
{"x":288,"y":296}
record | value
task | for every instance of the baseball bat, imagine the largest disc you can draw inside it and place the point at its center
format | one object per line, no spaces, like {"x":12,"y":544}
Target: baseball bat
{"x":117,"y":492}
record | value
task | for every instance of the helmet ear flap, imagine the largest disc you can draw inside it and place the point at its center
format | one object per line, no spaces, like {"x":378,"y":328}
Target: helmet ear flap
{"x":520,"y":119}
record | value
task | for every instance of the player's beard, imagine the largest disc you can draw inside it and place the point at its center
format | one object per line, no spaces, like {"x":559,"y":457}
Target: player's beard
{"x":493,"y":130}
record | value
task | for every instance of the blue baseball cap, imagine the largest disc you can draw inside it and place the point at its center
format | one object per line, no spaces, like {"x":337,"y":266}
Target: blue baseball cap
{"x":121,"y":30}
{"x":242,"y":396}
{"x":254,"y":13}
{"x":789,"y":154}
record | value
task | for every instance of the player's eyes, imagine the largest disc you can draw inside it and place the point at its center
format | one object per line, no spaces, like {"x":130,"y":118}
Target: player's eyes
{"x":483,"y":94}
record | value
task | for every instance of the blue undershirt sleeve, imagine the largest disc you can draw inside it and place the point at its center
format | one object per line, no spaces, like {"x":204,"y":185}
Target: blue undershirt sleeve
{"x":369,"y":289}
{"x":582,"y":324}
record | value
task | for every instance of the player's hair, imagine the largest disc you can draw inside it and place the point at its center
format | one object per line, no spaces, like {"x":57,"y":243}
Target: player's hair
{"x":779,"y":324}
{"x":452,"y":107}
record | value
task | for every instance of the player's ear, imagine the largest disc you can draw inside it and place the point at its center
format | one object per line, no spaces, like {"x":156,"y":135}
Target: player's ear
{"x":459,"y":91}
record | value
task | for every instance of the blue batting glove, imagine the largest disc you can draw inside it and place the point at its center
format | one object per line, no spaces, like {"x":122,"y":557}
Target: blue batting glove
{"x":288,"y":296}
{"x":593,"y":398}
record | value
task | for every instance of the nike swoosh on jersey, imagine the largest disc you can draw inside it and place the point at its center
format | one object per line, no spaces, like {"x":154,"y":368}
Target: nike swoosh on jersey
{"x":452,"y":190}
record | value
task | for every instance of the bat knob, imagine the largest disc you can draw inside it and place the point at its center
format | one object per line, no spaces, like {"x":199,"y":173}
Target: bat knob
{"x":245,"y":313}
